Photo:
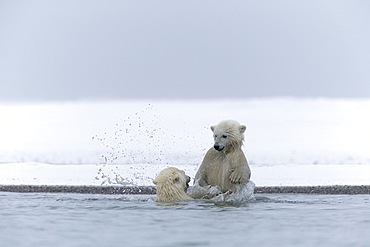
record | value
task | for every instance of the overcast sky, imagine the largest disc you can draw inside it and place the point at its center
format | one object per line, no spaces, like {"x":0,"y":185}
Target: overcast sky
{"x":184,"y":49}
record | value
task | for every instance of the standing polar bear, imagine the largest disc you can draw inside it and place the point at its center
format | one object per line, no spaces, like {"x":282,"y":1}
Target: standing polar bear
{"x":225,"y":164}
{"x":171,"y":184}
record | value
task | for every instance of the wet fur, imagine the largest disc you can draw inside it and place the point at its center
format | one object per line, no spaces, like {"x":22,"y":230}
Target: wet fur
{"x":171,"y":184}
{"x":229,"y":166}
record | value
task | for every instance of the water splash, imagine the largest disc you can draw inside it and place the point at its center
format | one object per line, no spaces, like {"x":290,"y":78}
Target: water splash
{"x":203,"y":192}
{"x":143,"y":138}
{"x":113,"y":179}
{"x":244,"y":192}
{"x":136,"y":139}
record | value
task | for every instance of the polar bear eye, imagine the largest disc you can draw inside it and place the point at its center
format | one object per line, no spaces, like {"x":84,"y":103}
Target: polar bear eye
{"x":224,"y":136}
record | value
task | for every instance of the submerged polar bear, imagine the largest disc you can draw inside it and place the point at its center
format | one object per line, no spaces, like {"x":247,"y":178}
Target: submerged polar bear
{"x":172,"y":184}
{"x":224,"y":167}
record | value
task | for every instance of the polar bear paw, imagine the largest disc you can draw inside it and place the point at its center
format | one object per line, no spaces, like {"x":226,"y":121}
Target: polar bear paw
{"x":239,"y":175}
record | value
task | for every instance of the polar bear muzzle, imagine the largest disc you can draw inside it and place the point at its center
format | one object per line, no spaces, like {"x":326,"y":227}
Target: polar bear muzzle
{"x":187,"y":183}
{"x":218,"y":147}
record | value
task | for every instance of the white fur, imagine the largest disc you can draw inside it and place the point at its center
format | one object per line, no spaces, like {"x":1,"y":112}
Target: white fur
{"x":171,"y":185}
{"x":225,"y":164}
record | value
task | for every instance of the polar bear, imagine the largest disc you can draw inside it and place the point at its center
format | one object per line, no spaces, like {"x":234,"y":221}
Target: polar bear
{"x":172,"y":184}
{"x":225,"y":165}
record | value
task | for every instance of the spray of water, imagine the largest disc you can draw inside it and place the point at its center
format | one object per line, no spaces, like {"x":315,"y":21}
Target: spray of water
{"x":142,"y":138}
{"x":244,"y":192}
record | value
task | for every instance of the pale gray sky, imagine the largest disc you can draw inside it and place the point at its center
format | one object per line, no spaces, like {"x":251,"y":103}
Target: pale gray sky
{"x":184,"y":49}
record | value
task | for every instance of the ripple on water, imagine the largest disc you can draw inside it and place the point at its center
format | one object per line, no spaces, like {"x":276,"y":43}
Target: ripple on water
{"x":136,"y":220}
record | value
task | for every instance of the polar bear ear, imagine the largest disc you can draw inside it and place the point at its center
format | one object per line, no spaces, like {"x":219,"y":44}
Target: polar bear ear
{"x":242,"y":128}
{"x":213,"y":128}
{"x":155,"y":181}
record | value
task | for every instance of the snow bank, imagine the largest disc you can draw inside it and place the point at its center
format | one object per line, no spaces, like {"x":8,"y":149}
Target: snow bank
{"x":322,"y":139}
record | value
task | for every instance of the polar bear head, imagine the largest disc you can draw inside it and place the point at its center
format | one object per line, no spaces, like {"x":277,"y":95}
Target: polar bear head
{"x":228,"y":135}
{"x":172,"y":184}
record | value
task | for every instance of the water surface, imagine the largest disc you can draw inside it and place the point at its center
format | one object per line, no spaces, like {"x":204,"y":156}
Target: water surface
{"x":38,"y":219}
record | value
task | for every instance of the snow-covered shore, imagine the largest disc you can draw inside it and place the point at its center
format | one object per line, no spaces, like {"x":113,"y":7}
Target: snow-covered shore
{"x":142,"y":175}
{"x":288,"y":141}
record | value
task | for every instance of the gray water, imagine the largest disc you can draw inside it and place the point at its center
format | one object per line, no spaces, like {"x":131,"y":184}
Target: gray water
{"x":119,"y":220}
